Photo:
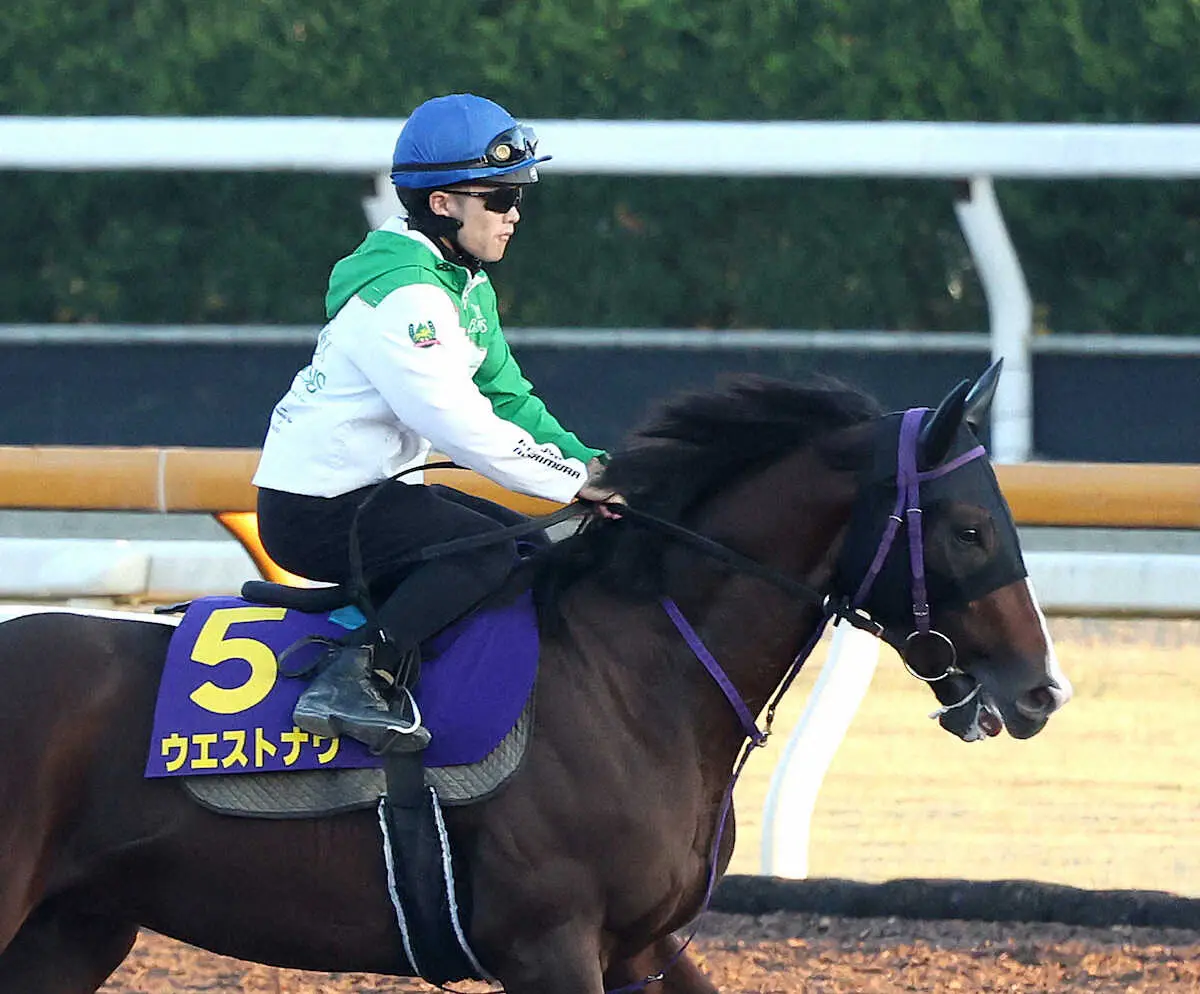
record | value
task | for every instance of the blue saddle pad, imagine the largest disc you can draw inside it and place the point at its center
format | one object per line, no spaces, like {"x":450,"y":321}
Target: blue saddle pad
{"x":223,"y":707}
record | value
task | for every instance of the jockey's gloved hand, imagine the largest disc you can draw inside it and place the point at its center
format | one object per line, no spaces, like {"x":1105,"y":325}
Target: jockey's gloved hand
{"x":594,"y":492}
{"x":601,"y":498}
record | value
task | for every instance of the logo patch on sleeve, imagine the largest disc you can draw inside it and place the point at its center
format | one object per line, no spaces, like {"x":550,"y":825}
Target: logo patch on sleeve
{"x":423,"y":335}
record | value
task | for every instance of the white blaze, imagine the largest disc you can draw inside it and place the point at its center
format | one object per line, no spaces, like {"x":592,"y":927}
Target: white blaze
{"x":1060,"y":687}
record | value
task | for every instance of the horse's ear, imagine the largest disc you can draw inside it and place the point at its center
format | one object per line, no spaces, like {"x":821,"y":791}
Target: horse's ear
{"x":939,"y":430}
{"x":979,"y":400}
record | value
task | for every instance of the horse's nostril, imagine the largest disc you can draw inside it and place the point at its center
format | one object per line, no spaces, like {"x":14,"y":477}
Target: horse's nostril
{"x":1037,"y":703}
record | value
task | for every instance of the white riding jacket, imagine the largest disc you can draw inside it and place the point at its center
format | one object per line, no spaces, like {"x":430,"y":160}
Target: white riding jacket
{"x":413,"y":358}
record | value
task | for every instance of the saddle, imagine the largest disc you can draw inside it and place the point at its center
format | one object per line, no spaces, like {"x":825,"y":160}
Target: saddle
{"x":476,"y":695}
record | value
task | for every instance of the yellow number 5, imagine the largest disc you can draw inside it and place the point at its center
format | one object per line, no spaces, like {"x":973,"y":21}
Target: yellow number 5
{"x":213,"y":648}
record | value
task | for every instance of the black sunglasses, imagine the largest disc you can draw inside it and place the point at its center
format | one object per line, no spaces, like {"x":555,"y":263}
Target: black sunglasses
{"x":500,"y":200}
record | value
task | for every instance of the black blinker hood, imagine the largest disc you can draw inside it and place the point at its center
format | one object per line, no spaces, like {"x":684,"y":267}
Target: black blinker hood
{"x":889,"y":600}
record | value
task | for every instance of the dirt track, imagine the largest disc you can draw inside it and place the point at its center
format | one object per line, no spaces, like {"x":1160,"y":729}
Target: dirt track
{"x":794,"y":954}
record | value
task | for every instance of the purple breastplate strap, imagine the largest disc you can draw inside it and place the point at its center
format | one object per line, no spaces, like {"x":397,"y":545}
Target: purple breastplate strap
{"x":749,"y":726}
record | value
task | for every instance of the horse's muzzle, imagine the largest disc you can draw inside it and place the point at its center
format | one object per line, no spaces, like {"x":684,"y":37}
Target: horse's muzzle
{"x":1038,"y":704}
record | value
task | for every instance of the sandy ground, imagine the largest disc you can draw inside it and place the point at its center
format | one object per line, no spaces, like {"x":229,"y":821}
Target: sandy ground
{"x":792,"y":954}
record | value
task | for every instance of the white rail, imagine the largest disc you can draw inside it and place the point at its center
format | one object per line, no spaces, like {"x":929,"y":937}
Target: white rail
{"x":902,"y":149}
{"x":972,"y":152}
{"x":681,"y":339}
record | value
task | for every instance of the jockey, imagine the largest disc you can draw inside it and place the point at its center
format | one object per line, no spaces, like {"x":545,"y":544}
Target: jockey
{"x":413,"y":358}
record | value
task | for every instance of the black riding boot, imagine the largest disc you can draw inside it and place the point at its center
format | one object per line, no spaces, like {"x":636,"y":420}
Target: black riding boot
{"x":345,"y":698}
{"x":352,"y":694}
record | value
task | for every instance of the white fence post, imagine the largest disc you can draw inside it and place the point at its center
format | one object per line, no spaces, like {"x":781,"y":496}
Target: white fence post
{"x":1010,"y":312}
{"x":787,"y":814}
{"x":383,"y":203}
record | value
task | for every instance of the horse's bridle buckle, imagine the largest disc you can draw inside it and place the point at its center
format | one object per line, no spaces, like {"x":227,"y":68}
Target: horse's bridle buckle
{"x":855,"y":617}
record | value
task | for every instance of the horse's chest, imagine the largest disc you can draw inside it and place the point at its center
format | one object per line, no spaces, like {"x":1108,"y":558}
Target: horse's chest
{"x":659,"y":872}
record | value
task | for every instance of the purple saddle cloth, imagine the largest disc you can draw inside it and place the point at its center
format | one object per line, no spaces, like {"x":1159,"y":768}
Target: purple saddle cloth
{"x":223,"y":707}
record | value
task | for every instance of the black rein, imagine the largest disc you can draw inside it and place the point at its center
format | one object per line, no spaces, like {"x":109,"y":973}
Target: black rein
{"x":685,"y":536}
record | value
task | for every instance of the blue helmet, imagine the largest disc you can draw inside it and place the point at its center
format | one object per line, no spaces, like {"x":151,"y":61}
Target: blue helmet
{"x":462,"y":137}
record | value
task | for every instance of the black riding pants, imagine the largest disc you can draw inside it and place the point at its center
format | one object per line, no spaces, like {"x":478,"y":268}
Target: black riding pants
{"x":310,"y":536}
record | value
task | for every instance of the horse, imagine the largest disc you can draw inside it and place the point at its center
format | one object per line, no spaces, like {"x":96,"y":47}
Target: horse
{"x":757,"y":510}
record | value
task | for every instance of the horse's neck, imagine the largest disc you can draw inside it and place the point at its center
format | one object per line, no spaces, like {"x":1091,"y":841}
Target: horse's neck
{"x":791,"y":518}
{"x":754,"y":635}
{"x":627,"y":662}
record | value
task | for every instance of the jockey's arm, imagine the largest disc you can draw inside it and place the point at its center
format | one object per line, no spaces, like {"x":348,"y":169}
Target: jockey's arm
{"x":431,"y":390}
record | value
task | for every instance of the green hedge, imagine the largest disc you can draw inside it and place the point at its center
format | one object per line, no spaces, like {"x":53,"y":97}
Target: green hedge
{"x":675,"y":252}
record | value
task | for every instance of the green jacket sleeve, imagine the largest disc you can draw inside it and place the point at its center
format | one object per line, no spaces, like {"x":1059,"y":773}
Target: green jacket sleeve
{"x":499,"y":378}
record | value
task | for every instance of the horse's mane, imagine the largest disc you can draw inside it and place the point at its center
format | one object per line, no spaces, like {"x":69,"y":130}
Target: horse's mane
{"x":693,"y":445}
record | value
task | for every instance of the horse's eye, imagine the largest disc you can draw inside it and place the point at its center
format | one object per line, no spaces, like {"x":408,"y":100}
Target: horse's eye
{"x":969,"y":536}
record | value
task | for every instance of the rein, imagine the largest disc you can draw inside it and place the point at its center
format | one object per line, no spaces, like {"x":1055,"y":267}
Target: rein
{"x":907,"y":510}
{"x":722,"y":553}
{"x":358,"y":587}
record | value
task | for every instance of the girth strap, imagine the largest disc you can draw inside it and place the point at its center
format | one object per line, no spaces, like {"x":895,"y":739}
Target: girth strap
{"x":421,"y":876}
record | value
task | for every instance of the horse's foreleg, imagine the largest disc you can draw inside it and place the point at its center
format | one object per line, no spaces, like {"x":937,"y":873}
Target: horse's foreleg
{"x":682,"y":975}
{"x":566,"y":958}
{"x":58,"y":951}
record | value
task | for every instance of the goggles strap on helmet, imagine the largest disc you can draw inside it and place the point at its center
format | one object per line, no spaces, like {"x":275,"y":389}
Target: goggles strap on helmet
{"x":509,"y":148}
